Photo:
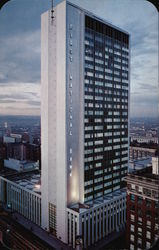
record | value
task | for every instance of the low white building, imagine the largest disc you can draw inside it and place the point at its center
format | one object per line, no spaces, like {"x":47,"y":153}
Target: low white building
{"x":98,"y":220}
{"x":22,"y":193}
{"x":20,"y":165}
{"x":12,"y":138}
{"x":144,"y":139}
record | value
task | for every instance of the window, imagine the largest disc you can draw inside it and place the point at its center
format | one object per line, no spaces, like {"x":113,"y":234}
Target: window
{"x":133,"y":186}
{"x":148,"y":235}
{"x":148,"y":245}
{"x":132,"y":237}
{"x":139,"y":241}
{"x":70,"y":26}
{"x":140,"y":189}
{"x":132,"y":197}
{"x":131,"y":247}
{"x":132,"y":228}
{"x":132,"y":217}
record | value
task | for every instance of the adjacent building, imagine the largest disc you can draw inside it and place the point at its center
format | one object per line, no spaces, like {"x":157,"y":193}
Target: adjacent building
{"x":143,"y":208}
{"x":84,"y":123}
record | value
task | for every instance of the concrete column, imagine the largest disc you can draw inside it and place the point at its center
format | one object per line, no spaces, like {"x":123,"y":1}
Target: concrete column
{"x":99,"y":223}
{"x":110,"y":223}
{"x":122,"y":211}
{"x":18,"y":201}
{"x":96,"y":239}
{"x":7,"y":193}
{"x":70,"y":218}
{"x":103,"y":221}
{"x":92,"y":226}
{"x":34,"y":207}
{"x":38,"y":201}
{"x":119,"y":212}
{"x":84,"y":231}
{"x":36,"y":216}
{"x":22,"y":202}
{"x":74,"y":231}
{"x":15,"y":200}
{"x":113,"y":217}
{"x":79,"y":225}
{"x":106,"y":221}
{"x":89,"y":229}
{"x":116,"y":214}
{"x":31,"y":207}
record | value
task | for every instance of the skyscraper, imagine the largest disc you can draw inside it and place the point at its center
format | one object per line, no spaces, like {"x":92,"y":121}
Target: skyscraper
{"x":85,"y":90}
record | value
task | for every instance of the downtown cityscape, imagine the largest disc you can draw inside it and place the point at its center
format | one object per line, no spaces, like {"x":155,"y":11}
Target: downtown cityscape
{"x":82,"y":173}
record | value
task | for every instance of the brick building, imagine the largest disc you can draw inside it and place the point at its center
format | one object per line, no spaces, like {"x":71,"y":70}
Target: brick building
{"x":142,"y":209}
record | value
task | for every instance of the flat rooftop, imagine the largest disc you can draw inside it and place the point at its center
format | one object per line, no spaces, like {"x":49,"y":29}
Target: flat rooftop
{"x":138,"y":164}
{"x":30,"y":180}
{"x":92,"y":204}
{"x":143,"y":175}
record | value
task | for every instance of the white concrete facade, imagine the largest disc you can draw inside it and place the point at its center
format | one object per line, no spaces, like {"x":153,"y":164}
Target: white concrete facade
{"x":108,"y":215}
{"x":20,"y":199}
{"x":53,"y":118}
{"x":62,"y":113}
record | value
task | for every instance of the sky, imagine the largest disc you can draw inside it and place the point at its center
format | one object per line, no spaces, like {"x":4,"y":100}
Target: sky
{"x":20,"y":51}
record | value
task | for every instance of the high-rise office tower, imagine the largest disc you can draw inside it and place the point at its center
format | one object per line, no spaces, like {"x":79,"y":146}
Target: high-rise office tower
{"x":85,"y":89}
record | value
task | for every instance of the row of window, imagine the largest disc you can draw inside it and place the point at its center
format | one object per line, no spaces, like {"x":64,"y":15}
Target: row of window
{"x":90,"y":36}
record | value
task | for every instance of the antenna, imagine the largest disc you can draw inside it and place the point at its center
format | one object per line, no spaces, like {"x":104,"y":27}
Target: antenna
{"x":52,"y":10}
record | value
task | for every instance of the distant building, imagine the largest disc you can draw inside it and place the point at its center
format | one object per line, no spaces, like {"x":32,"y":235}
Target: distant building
{"x":16,"y":150}
{"x":140,"y":163}
{"x":9,"y":139}
{"x":25,"y":137}
{"x":136,"y":152}
{"x":142,"y":139}
{"x":142,"y":209}
{"x":3,"y":154}
{"x":23,"y":151}
{"x":33,"y":153}
{"x":20,"y":165}
{"x":12,"y":138}
{"x":1,"y":136}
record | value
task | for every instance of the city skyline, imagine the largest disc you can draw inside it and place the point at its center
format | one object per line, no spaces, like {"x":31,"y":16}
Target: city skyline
{"x":20,"y":52}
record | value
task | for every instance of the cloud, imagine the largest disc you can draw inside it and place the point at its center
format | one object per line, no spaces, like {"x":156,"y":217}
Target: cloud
{"x":20,"y":51}
{"x":34,"y":103}
{"x":24,"y":97}
{"x":20,"y":57}
{"x":144,"y":104}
